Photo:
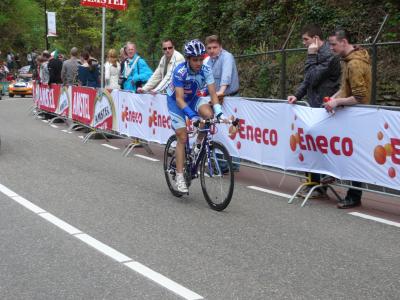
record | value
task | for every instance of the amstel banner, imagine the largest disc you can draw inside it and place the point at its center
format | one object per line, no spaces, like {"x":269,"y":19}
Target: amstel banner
{"x":48,"y":96}
{"x":111,"y":4}
{"x":82,"y":105}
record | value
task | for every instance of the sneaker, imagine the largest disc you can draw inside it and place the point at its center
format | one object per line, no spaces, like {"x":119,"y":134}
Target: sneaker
{"x":317,"y":193}
{"x":348,"y":202}
{"x":181,"y":184}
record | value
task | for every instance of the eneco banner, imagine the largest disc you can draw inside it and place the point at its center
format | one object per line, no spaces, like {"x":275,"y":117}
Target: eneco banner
{"x":359,"y":144}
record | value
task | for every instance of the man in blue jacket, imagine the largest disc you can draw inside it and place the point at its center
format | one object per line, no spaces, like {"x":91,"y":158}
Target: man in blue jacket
{"x":136,"y":72}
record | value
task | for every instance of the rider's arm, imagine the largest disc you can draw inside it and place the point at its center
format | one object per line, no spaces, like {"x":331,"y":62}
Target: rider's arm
{"x":180,"y":97}
{"x":180,"y":101}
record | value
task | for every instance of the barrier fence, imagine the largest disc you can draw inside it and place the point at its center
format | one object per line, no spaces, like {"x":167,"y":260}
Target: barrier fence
{"x":354,"y":144}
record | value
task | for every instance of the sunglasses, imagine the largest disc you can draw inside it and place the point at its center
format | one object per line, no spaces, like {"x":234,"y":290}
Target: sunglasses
{"x":169,"y":48}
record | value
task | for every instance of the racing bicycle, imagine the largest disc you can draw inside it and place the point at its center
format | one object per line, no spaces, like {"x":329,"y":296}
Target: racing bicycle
{"x":212,"y":163}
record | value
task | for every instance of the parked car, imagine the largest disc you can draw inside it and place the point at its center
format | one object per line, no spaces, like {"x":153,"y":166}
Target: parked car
{"x":21,"y":86}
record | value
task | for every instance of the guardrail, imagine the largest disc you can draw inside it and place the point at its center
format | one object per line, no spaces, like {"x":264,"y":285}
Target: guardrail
{"x":158,"y":121}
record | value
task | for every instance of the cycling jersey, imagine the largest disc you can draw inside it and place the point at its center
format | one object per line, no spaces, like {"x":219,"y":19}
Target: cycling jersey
{"x":192,"y":84}
{"x":190,"y":81}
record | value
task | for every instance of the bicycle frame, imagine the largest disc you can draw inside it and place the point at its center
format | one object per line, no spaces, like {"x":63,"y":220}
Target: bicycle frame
{"x":204,"y":150}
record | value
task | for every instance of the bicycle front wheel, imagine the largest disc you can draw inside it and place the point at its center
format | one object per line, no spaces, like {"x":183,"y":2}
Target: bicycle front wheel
{"x":170,"y":165}
{"x":216,"y":177}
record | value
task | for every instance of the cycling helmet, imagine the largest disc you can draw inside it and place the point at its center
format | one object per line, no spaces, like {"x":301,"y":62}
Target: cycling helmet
{"x":194,"y":48}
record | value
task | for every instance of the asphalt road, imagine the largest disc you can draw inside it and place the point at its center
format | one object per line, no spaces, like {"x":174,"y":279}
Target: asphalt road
{"x":258,"y":248}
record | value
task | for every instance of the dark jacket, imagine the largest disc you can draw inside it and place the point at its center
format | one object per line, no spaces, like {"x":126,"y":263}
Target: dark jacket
{"x":89,"y":76}
{"x":55,"y":66}
{"x":321,"y":76}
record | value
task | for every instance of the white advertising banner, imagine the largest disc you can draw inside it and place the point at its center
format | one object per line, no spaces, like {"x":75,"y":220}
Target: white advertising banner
{"x":354,"y":143}
{"x":359,"y":144}
{"x":51,"y":24}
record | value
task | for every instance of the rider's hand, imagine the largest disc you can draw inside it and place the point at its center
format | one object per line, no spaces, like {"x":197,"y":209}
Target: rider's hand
{"x":292,"y":99}
{"x":196,"y":121}
{"x":218,"y":112}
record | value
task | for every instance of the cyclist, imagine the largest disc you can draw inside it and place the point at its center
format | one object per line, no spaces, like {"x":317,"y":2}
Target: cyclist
{"x":189,"y":78}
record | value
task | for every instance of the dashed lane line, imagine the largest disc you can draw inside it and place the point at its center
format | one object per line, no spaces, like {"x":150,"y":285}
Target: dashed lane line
{"x":269,"y":191}
{"x":146,"y":157}
{"x":376,"y":219}
{"x":109,"y":146}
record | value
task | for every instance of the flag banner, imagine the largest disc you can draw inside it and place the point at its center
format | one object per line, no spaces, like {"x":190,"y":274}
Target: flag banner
{"x":51,"y":24}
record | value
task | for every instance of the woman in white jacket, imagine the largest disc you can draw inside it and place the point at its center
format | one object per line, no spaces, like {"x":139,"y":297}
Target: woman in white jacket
{"x":112,"y":70}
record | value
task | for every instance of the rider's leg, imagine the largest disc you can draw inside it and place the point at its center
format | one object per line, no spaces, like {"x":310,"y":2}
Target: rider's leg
{"x":181,"y":136}
{"x":205,"y":111}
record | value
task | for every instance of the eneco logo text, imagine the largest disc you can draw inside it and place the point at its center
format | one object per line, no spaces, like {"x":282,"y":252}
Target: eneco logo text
{"x":258,"y":135}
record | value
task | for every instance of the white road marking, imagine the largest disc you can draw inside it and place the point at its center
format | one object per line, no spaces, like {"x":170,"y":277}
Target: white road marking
{"x":6,"y":191}
{"x":60,"y":223}
{"x":27,"y":204}
{"x":103,"y":248}
{"x":162,"y":280}
{"x":109,"y":146}
{"x":146,"y":157}
{"x":45,"y":121}
{"x":80,"y":136}
{"x":380,"y":220}
{"x":66,"y":131}
{"x":269,"y":191}
{"x":54,"y":126}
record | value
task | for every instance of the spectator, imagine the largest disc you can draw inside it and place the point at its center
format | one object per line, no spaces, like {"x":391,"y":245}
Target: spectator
{"x":321,"y":79}
{"x":136,"y":71}
{"x":17,"y":61}
{"x":225,"y":75}
{"x":69,"y":71}
{"x":10,"y":61}
{"x":355,"y":88}
{"x":89,"y":49}
{"x":112,"y":69}
{"x":223,"y":66}
{"x":44,"y":71}
{"x":122,"y":57}
{"x":36,"y":70}
{"x":88,"y":72}
{"x":162,"y":76}
{"x":3,"y":71}
{"x":55,"y":66}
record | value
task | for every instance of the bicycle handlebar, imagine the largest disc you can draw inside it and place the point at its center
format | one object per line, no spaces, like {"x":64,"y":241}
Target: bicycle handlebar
{"x":234,"y":122}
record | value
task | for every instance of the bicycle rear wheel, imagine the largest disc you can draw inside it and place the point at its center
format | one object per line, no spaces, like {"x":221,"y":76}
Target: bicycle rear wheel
{"x":217,"y":177}
{"x":170,"y":165}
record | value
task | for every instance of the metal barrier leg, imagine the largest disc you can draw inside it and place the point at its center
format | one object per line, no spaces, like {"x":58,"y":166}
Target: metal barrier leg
{"x":135,"y":144}
{"x":74,"y":126}
{"x":297,"y":191}
{"x":311,"y":191}
{"x":88,"y":136}
{"x":57,"y":118}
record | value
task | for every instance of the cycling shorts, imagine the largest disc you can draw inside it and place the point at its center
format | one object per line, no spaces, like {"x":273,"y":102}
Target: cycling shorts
{"x":178,"y":117}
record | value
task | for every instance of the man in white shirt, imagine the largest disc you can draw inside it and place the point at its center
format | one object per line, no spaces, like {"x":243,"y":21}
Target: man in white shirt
{"x":162,"y":76}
